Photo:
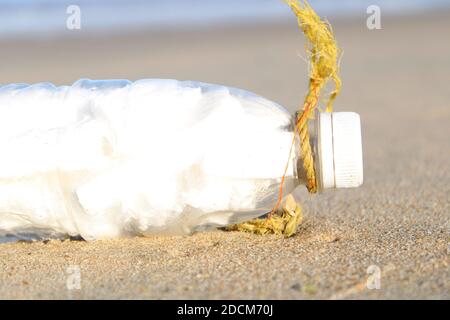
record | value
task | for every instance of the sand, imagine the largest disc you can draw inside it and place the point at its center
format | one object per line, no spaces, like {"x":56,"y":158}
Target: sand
{"x":397,"y":78}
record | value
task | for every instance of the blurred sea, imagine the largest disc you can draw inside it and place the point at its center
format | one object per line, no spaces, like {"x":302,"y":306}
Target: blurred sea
{"x":48,"y":17}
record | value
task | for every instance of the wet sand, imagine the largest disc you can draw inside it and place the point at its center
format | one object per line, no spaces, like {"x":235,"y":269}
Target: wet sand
{"x":398,"y":224}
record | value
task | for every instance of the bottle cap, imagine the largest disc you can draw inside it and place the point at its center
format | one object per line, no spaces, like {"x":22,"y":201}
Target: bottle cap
{"x":339,"y":161}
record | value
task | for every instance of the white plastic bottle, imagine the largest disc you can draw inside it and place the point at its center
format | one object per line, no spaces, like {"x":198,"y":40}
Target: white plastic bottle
{"x":103,"y":159}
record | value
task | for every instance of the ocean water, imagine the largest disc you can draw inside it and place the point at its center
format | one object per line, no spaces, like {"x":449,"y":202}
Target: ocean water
{"x":48,"y":17}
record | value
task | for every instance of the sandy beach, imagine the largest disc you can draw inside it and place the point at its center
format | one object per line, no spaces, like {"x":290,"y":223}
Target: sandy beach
{"x":397,"y":78}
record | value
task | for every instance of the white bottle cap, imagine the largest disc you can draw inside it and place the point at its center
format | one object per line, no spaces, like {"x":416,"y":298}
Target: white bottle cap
{"x":339,"y":162}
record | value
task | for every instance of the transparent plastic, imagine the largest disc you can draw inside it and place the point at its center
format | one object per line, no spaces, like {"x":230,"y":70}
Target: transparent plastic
{"x":103,"y":159}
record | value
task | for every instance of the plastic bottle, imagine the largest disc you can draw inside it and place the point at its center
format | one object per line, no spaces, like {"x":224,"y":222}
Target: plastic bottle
{"x":102,"y":159}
